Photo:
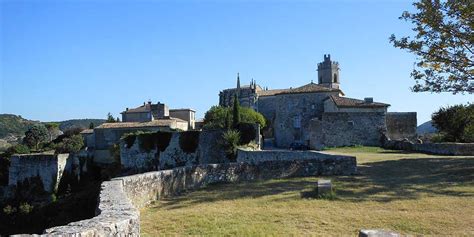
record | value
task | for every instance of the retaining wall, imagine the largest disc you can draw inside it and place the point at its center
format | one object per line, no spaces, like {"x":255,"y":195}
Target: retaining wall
{"x":456,"y":149}
{"x":119,"y":200}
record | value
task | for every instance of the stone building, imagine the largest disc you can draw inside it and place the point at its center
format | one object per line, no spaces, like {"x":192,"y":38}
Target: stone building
{"x":319,"y":115}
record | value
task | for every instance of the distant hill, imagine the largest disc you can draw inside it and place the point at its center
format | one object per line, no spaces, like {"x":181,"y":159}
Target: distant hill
{"x":425,"y":128}
{"x":13,"y":127}
{"x":11,"y":124}
{"x":83,"y":123}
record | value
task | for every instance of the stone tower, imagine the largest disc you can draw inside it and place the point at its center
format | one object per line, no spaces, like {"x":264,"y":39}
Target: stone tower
{"x":328,"y":73}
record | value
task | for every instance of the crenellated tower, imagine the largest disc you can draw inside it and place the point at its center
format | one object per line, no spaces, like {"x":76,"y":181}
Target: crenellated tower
{"x":328,"y":73}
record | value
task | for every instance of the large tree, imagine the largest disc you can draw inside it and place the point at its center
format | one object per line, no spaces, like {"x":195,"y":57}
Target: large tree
{"x":443,"y":43}
{"x":36,"y":135}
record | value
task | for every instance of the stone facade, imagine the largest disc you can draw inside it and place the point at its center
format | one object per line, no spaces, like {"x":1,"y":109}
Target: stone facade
{"x":296,"y":115}
{"x":48,"y":167}
{"x":208,"y":150}
{"x":188,"y":115}
{"x":455,"y":149}
{"x":401,"y":125}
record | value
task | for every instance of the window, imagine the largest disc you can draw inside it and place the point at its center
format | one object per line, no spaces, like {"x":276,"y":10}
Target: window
{"x":335,"y":77}
{"x":297,"y":121}
{"x":350,"y":123}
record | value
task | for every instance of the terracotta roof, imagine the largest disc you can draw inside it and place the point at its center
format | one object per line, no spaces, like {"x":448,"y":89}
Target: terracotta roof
{"x":154,"y":123}
{"x":87,"y":131}
{"x":350,"y":103}
{"x":308,"y":88}
{"x":140,"y":109}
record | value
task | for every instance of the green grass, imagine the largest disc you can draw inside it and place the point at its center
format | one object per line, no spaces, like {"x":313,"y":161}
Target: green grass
{"x":405,"y":192}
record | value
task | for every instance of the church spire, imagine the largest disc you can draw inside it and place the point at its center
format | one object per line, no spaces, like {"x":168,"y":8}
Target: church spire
{"x":238,"y":81}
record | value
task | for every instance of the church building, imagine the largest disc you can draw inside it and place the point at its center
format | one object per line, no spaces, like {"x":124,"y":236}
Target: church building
{"x":319,"y":115}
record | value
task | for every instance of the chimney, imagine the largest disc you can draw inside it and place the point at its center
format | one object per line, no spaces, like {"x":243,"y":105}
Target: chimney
{"x":149,"y":102}
{"x":368,"y":100}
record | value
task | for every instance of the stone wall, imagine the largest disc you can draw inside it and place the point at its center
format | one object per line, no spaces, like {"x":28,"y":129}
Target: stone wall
{"x":401,"y":125}
{"x":347,"y":129}
{"x":457,"y":149}
{"x":328,"y":164}
{"x":48,"y":167}
{"x":134,"y":159}
{"x":120,"y":199}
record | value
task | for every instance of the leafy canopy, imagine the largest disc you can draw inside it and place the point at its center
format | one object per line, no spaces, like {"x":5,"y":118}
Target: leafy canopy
{"x":36,"y":135}
{"x":220,"y":117}
{"x":443,"y":44}
{"x":455,"y":123}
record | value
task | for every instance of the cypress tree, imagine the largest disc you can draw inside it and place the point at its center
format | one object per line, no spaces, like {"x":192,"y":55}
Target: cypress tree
{"x":236,"y":112}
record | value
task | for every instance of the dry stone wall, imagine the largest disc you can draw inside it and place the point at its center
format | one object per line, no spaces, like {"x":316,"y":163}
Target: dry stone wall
{"x":120,"y":198}
{"x":48,"y":167}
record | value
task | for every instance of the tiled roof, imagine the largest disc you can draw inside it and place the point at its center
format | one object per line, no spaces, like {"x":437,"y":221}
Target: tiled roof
{"x":154,"y":123}
{"x":87,"y":131}
{"x":350,"y":102}
{"x":140,"y":109}
{"x":308,"y":88}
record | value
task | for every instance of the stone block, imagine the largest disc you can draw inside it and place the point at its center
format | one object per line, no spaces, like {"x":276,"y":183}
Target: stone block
{"x":378,"y":233}
{"x":324,"y":187}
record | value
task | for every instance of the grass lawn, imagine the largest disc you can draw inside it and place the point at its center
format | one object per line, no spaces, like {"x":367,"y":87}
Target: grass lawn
{"x":404,"y":192}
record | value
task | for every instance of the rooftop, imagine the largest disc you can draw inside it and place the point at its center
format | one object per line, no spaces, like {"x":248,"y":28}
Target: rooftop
{"x":351,"y":103}
{"x":308,"y":88}
{"x":154,"y":123}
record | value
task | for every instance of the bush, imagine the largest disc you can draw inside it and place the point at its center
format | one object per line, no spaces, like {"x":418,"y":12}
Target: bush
{"x":158,"y":140}
{"x":247,"y":133}
{"x":220,"y":117}
{"x":231,"y":139}
{"x":69,"y":145}
{"x":25,"y":208}
{"x":455,"y":123}
{"x":189,"y":141}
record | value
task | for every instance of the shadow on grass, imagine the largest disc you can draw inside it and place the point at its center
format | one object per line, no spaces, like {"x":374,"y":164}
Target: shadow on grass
{"x":382,"y":181}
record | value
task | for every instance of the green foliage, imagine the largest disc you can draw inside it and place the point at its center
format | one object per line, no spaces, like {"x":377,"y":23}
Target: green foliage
{"x":443,"y":45}
{"x":13,"y":124}
{"x":36,"y":135}
{"x":222,"y":117}
{"x":236,"y":113}
{"x":110,"y":118}
{"x":25,"y":208}
{"x":158,"y":140}
{"x":79,"y":123}
{"x":71,"y":144}
{"x":247,"y":133}
{"x":18,"y":149}
{"x":91,"y":125}
{"x":9,"y":210}
{"x":455,"y":123}
{"x":231,"y":139}
{"x":216,"y":116}
{"x":130,"y":139}
{"x":189,"y":141}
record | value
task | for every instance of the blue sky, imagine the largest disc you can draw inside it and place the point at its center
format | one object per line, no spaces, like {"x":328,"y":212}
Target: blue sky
{"x":82,"y":59}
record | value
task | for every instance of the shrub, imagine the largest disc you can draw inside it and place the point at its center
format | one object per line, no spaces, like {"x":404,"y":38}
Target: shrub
{"x":158,"y":140}
{"x":231,"y":139}
{"x":9,"y":210}
{"x":69,"y":145}
{"x":189,"y":141}
{"x":247,"y":133}
{"x":222,"y":117}
{"x":455,"y":123}
{"x":25,"y":208}
{"x":36,"y":135}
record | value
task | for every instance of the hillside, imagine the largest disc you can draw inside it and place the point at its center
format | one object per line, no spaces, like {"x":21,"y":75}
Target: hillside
{"x":84,"y":123}
{"x":13,"y":127}
{"x":11,"y":124}
{"x":425,"y":128}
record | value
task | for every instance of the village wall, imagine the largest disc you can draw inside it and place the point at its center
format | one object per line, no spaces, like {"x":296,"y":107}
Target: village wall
{"x":47,"y":167}
{"x":401,"y":125}
{"x":347,"y":129}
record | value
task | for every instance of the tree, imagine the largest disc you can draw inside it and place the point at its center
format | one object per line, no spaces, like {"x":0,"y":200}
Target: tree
{"x":91,"y":125}
{"x":110,"y":118}
{"x":443,"y":44}
{"x":455,"y":123}
{"x":222,"y":117}
{"x":53,"y":130}
{"x":231,"y":139}
{"x":71,"y":144}
{"x":235,"y":112}
{"x":36,"y":135}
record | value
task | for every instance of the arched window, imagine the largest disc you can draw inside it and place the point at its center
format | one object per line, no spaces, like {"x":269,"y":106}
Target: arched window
{"x":335,"y":77}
